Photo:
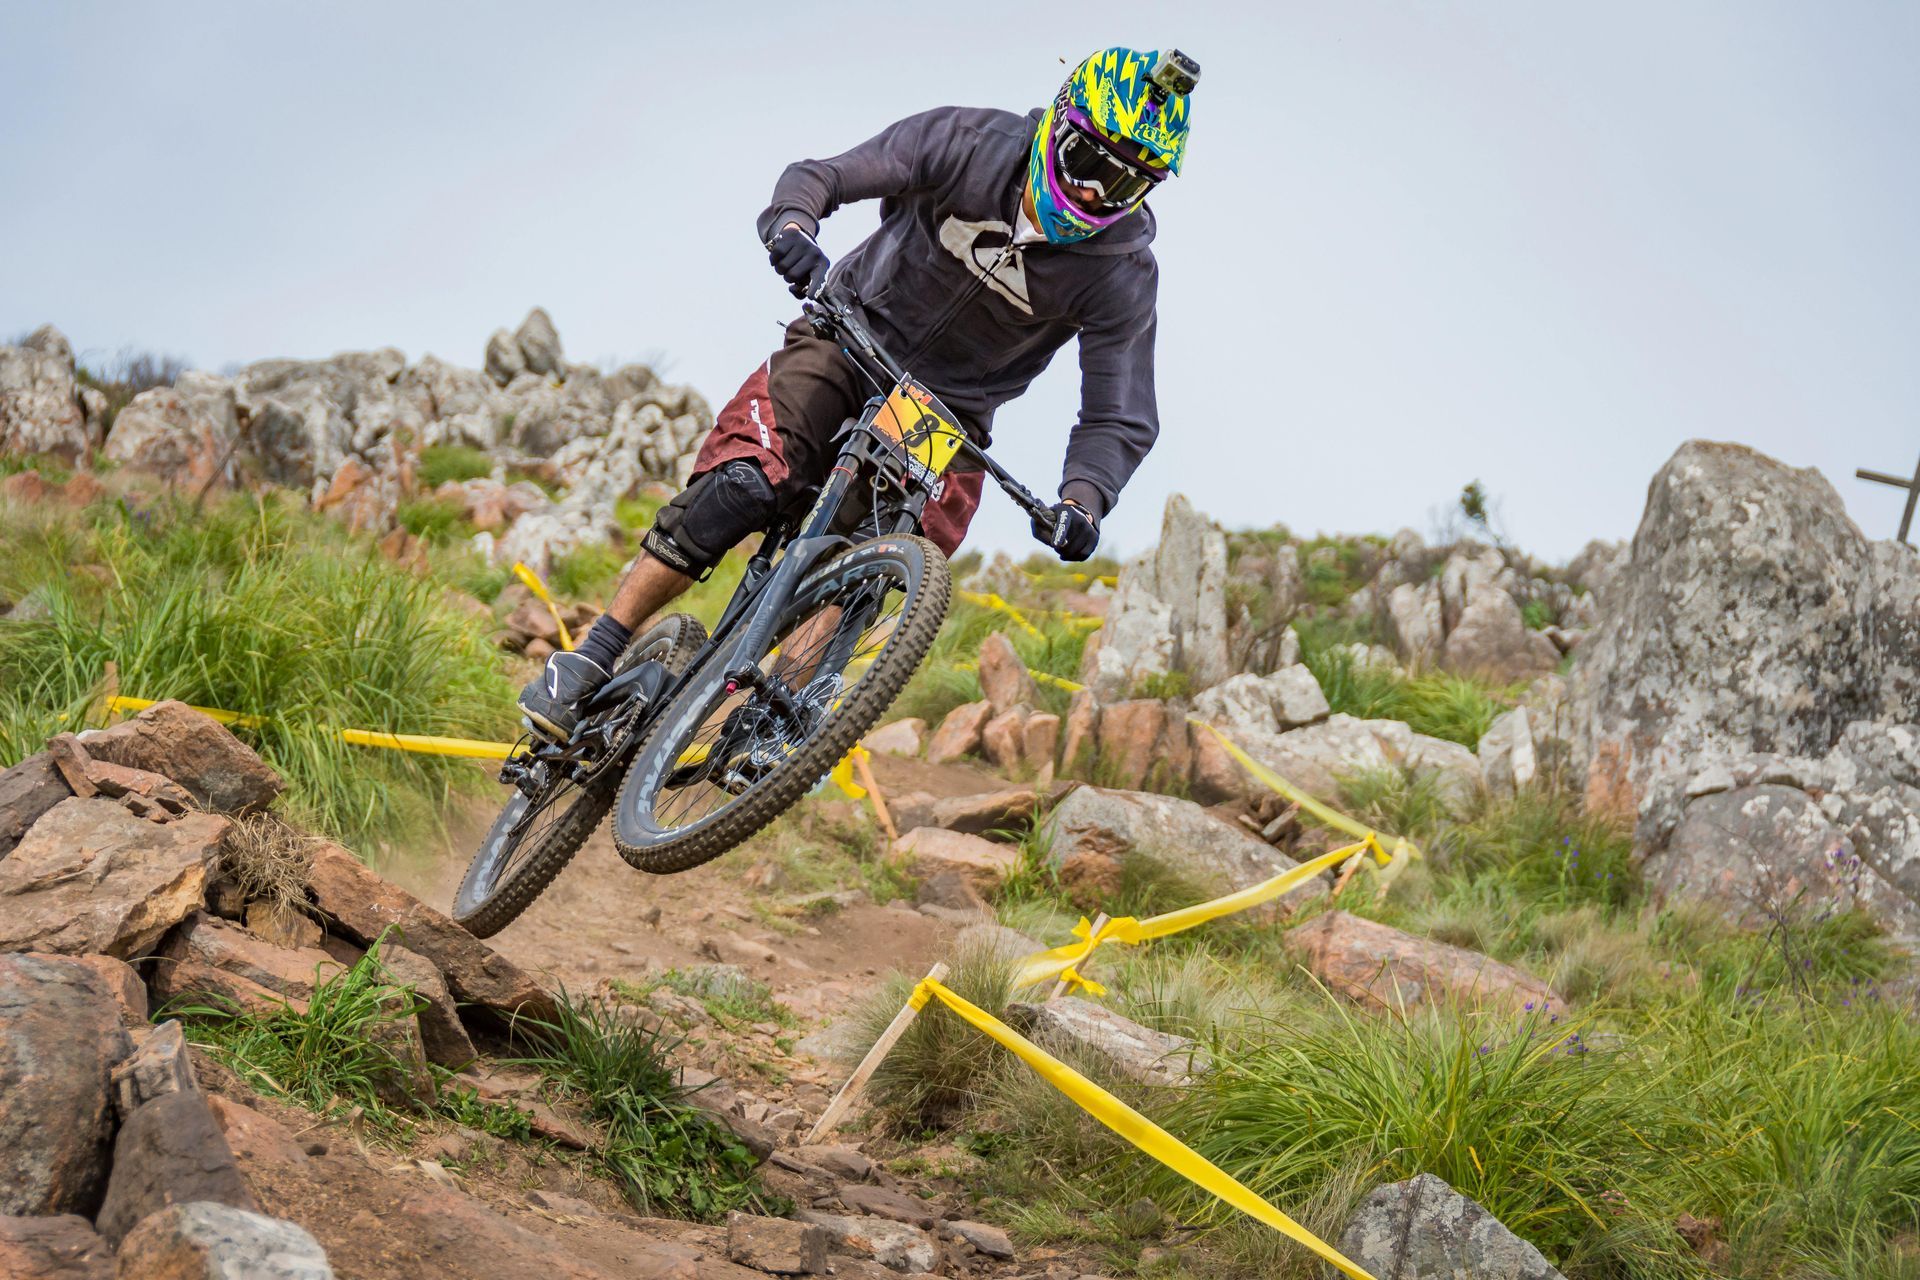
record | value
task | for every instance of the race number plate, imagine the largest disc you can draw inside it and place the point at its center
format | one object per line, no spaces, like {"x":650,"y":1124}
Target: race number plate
{"x":917,"y":420}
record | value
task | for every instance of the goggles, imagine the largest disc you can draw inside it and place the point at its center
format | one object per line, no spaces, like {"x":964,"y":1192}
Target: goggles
{"x":1084,"y":159}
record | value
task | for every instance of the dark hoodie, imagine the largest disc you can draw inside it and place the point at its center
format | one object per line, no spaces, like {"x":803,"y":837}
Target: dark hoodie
{"x":949,"y":183}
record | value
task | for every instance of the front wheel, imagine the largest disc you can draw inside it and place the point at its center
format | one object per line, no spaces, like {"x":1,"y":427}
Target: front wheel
{"x":726,"y":758}
{"x":536,"y":835}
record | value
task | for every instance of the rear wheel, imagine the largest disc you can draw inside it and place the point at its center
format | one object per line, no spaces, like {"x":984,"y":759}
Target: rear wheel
{"x":536,"y":835}
{"x":721,"y":762}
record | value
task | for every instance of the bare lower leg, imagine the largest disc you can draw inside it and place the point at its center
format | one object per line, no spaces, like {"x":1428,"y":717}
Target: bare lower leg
{"x":649,"y":587}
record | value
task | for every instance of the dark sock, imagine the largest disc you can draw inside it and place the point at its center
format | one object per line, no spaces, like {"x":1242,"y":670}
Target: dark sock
{"x":606,"y":642}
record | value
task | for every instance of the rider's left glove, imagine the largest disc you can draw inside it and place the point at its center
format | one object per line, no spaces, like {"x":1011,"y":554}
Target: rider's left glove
{"x":1075,"y":531}
{"x":798,"y":259}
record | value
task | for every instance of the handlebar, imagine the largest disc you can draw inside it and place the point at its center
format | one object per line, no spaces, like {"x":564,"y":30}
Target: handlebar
{"x":830,"y":310}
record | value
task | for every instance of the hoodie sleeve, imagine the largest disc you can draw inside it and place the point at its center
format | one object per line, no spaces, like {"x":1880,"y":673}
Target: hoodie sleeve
{"x":1119,"y":419}
{"x":911,"y":154}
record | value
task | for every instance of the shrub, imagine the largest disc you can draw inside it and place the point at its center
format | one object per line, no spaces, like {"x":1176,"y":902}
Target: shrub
{"x":329,"y":1058}
{"x":440,"y":463}
{"x":670,"y":1156}
{"x":1435,"y":703}
{"x":941,"y":1064}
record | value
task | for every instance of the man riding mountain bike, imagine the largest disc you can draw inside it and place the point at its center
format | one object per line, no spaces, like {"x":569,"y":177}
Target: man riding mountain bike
{"x":1001,"y":236}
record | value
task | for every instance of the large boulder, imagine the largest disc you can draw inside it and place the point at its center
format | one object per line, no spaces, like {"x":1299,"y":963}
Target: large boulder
{"x":27,"y":791}
{"x":1422,"y":1229}
{"x":205,"y":1240}
{"x":208,"y":957}
{"x":1004,"y":677}
{"x":364,"y":906}
{"x":1144,"y":742}
{"x":169,"y":1151}
{"x":1248,"y":703}
{"x":92,"y":878}
{"x":539,"y":343}
{"x":1100,"y":823}
{"x":40,"y":409}
{"x":60,"y":1038}
{"x":173,"y":740}
{"x":1380,"y":966}
{"x":184,"y":433}
{"x":1493,"y":642}
{"x":1752,"y":617}
{"x":1169,"y":612}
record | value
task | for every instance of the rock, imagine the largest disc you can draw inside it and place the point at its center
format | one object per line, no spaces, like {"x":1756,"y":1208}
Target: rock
{"x":1138,"y":1053}
{"x":63,"y":1247}
{"x":1189,"y":572}
{"x":1247,"y":703}
{"x":893,"y":1245}
{"x":40,"y":410}
{"x":158,"y":1066}
{"x":173,"y":740}
{"x":1138,"y":642}
{"x":169,"y":1151}
{"x":539,"y":343}
{"x":442,"y":1036}
{"x":27,"y":791}
{"x":91,"y":877}
{"x":985,"y":812}
{"x":540,"y":537}
{"x":1383,"y":967}
{"x":568,"y":1206}
{"x":990,"y":1240}
{"x":1177,"y":833}
{"x":776,"y":1244}
{"x":933,"y":850}
{"x":1081,"y":729}
{"x":1042,"y":734}
{"x":185,"y":433}
{"x":1003,"y":739}
{"x":895,"y":1206}
{"x":503,"y":359}
{"x":1413,"y":623}
{"x":1752,"y":617}
{"x":898,"y":738}
{"x":1491,"y":641}
{"x":196,"y":955}
{"x":1469,"y":571}
{"x":547,"y":1123}
{"x":364,"y":498}
{"x":281,"y":925}
{"x":1422,"y":1229}
{"x":1317,"y":757}
{"x":1762,"y":849}
{"x":1144,"y":742}
{"x":1597,"y":565}
{"x":1455,"y":770}
{"x":208,"y":1241}
{"x":1507,"y":758}
{"x":60,"y":1038}
{"x":256,"y":1140}
{"x":1003,"y":675}
{"x":364,"y":906}
{"x":126,"y":987}
{"x":842,"y":1162}
{"x":959,"y":732}
{"x":1216,"y":777}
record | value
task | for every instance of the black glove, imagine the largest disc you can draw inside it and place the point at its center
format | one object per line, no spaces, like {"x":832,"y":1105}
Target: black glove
{"x":1075,"y":531}
{"x":798,"y":260}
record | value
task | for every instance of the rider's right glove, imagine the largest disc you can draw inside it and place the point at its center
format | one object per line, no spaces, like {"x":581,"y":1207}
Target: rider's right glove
{"x":1075,"y":532}
{"x":798,"y":259}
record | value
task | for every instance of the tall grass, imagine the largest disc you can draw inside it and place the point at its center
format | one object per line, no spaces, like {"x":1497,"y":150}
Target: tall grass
{"x":670,"y":1156}
{"x":258,"y":608}
{"x":1436,"y":703}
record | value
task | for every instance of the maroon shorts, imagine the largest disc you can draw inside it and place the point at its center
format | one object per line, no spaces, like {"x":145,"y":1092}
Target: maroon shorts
{"x":785,"y":417}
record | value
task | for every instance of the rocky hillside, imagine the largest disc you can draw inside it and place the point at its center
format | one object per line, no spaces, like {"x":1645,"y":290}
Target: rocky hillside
{"x":560,"y":442}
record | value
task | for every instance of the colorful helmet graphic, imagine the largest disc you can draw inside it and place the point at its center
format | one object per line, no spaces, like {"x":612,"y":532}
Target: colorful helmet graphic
{"x":1117,"y":129}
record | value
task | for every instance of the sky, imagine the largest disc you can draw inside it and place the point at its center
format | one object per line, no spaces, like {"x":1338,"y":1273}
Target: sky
{"x":1415,"y":244}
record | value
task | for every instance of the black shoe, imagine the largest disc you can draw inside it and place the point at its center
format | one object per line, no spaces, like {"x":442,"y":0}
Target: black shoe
{"x":552,"y":702}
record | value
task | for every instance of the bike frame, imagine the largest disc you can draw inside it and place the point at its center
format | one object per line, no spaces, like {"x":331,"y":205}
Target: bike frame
{"x":786,"y":555}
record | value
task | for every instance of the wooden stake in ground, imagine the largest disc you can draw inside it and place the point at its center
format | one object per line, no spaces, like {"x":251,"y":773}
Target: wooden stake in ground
{"x":851,"y":1090}
{"x":861,"y":767}
{"x":1060,"y":987}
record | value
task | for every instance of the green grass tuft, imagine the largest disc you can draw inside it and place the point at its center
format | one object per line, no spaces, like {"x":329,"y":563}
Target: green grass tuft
{"x":440,"y":463}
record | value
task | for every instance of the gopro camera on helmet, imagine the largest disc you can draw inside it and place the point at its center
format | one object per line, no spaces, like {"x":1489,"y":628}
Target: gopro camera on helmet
{"x":1175,"y":73}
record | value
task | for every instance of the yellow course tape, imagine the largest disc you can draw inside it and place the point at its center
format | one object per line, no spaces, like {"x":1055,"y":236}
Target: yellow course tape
{"x":842,"y":774}
{"x":1059,"y":962}
{"x":539,"y":589}
{"x":1106,"y":578}
{"x":419,"y":744}
{"x":992,"y":600}
{"x":1134,"y":1127}
{"x":1331,"y":817}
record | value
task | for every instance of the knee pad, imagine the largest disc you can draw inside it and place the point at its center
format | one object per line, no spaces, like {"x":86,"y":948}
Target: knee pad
{"x":693,"y":531}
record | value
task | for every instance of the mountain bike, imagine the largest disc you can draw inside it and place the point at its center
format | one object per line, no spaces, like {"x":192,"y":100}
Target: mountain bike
{"x":699,"y":740}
